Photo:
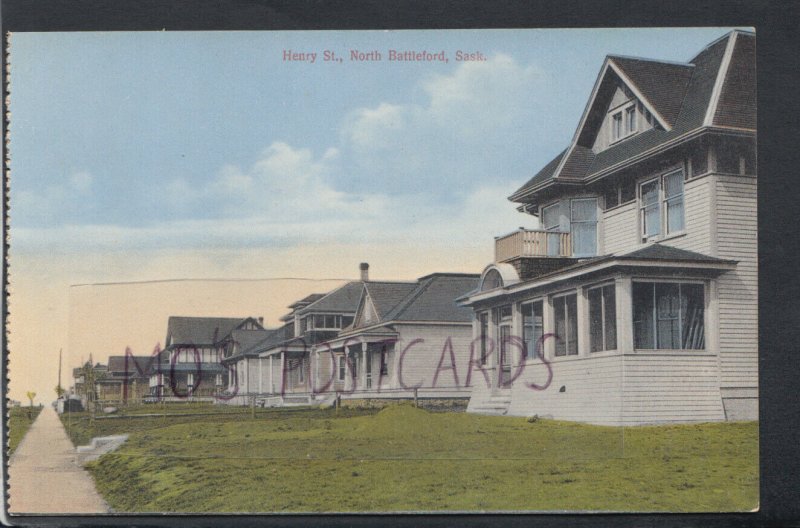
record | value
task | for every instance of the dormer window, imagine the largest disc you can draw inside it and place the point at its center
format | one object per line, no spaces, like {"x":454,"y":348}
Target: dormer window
{"x":623,"y":121}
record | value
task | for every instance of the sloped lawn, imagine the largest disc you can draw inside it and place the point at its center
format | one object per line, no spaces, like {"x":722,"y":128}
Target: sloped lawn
{"x":406,"y":459}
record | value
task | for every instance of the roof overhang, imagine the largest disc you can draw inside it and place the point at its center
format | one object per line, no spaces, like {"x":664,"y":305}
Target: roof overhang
{"x":604,"y":264}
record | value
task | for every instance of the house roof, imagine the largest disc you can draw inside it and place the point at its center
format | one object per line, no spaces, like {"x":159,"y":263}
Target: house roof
{"x":201,"y":330}
{"x":134,"y":365}
{"x":308,"y":299}
{"x":684,"y":95}
{"x":663,"y":252}
{"x":343,"y":299}
{"x":434,"y":299}
{"x":386,"y":295}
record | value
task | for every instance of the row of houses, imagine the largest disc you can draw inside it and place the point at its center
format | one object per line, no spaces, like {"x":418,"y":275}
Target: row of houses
{"x":634,"y":302}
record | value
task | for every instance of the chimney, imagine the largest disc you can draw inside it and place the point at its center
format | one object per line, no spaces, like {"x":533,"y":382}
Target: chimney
{"x":364,"y":267}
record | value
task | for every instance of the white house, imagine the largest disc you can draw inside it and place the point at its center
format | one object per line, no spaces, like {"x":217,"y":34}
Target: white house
{"x":636,"y":300}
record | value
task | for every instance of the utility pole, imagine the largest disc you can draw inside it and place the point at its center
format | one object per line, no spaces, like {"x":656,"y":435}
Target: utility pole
{"x":60,"y":350}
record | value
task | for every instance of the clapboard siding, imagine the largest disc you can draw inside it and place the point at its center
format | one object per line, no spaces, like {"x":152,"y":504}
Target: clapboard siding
{"x":620,"y":230}
{"x":679,"y":387}
{"x":697,"y":217}
{"x":592,"y":390}
{"x":421,"y":360}
{"x":737,"y":232}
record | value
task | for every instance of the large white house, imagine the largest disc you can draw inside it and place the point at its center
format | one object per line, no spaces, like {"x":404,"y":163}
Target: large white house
{"x":636,"y":300}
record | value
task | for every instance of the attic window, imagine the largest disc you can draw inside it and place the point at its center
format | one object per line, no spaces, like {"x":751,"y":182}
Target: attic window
{"x":624,"y":121}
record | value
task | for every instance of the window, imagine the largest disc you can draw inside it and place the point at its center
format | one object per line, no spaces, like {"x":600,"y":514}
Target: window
{"x":532,"y":328}
{"x":611,"y":196}
{"x":492,"y":280}
{"x":332,"y":322}
{"x":668,"y":316}
{"x":627,"y":192}
{"x":664,"y":193}
{"x":616,"y":126}
{"x":190,"y":380}
{"x":218,"y":380}
{"x":551,"y":221}
{"x":505,"y":341}
{"x":384,"y":362}
{"x":630,"y":120}
{"x":484,"y":323}
{"x":566,"y":319}
{"x":301,"y":367}
{"x":342,"y":367}
{"x":602,"y":319}
{"x":624,"y":122}
{"x":505,"y":312}
{"x":584,"y":226}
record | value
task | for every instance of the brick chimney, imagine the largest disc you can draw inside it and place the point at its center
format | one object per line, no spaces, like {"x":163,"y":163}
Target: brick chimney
{"x":364,"y":267}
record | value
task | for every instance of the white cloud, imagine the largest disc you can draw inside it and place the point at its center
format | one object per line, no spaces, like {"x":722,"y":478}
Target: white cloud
{"x":81,"y":181}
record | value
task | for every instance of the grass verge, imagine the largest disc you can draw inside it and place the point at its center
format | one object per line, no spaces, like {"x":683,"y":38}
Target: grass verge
{"x":20,"y":420}
{"x":406,"y":459}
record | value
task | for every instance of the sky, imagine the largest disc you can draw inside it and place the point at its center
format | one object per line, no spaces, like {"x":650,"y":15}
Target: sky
{"x":165,"y":156}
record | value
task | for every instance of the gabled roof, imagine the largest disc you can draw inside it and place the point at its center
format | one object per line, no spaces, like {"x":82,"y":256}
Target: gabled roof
{"x":201,"y":330}
{"x":715,"y":89}
{"x":250,"y":342}
{"x":342,"y":300}
{"x":307,"y":300}
{"x":386,"y":295}
{"x":434,"y":299}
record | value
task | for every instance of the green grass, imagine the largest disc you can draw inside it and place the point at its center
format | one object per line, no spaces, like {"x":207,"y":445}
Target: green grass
{"x":406,"y":459}
{"x":19,"y":421}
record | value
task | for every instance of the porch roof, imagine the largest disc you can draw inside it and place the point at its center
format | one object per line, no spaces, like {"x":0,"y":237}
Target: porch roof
{"x":370,"y":335}
{"x":657,"y":256}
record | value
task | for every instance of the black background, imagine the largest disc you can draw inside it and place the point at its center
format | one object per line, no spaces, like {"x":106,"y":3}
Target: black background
{"x":778,"y":64}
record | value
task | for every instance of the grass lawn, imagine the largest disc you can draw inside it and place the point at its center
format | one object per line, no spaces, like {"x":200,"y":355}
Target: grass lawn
{"x":19,"y":421}
{"x":407,"y":459}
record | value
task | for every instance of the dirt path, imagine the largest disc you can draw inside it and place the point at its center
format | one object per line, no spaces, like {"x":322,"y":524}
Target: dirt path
{"x":44,"y":475}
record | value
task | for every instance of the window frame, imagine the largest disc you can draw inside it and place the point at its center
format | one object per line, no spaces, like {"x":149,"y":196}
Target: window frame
{"x":620,"y":128}
{"x":531,"y":354}
{"x":603,"y":318}
{"x":342,"y":366}
{"x":567,"y":341}
{"x":662,"y":203}
{"x":705,"y":302}
{"x":594,"y":222}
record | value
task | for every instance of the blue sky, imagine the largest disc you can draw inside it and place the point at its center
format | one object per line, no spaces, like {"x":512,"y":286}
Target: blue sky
{"x":126,"y":141}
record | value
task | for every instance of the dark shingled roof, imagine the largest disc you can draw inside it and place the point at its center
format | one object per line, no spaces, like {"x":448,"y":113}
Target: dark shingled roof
{"x":681,"y":93}
{"x":663,"y":84}
{"x":433,"y":299}
{"x":201,"y":330}
{"x":343,"y":299}
{"x":662,"y":252}
{"x":307,"y":300}
{"x":135,"y":364}
{"x":249,"y":341}
{"x":386,"y":295}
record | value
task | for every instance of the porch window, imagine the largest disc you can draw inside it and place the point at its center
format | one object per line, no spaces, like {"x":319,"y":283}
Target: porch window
{"x":584,"y":226}
{"x":532,"y":328}
{"x":484,"y":324}
{"x":342,"y":367}
{"x":566,"y":319}
{"x":668,"y":316}
{"x":602,"y":318}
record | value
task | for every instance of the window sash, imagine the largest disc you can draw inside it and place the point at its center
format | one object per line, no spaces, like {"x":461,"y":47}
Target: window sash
{"x":532,"y":328}
{"x":551,"y":217}
{"x":565,"y":310}
{"x":668,"y":316}
{"x":342,"y":368}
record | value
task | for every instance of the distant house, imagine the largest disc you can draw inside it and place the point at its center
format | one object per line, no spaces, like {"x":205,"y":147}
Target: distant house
{"x":405,"y":335}
{"x":79,"y":386}
{"x":636,"y":300}
{"x":284,"y":365}
{"x":191,"y":362}
{"x":124,"y":380}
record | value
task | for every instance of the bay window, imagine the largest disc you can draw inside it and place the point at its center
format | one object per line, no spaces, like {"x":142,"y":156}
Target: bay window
{"x":565,"y":309}
{"x":668,"y":316}
{"x":602,"y":318}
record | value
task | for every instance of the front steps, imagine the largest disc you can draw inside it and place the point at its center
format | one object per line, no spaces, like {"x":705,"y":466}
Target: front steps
{"x":496,"y":404}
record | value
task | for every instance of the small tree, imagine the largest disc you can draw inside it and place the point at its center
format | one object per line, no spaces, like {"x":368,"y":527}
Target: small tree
{"x":59,"y":391}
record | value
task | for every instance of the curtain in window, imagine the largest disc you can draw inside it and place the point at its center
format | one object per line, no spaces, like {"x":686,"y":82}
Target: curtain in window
{"x":667,"y":316}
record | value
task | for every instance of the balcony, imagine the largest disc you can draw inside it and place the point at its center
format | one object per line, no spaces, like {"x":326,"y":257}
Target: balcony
{"x":532,"y":243}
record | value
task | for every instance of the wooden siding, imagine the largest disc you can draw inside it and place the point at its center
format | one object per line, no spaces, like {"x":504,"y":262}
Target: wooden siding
{"x":671,"y":387}
{"x":592,"y":390}
{"x":737,"y":238}
{"x":421,"y":360}
{"x":620,"y":229}
{"x":698,"y":216}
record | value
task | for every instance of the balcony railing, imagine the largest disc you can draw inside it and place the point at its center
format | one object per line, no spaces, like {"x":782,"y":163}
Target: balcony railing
{"x":532,"y":243}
